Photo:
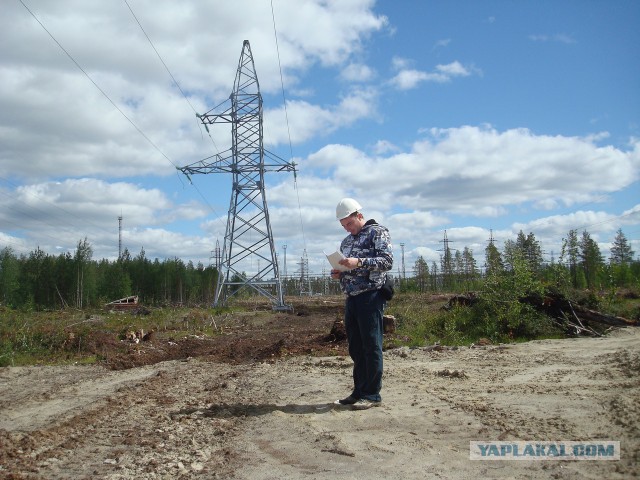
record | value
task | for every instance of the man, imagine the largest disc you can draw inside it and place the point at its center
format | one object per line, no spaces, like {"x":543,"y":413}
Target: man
{"x":368,"y":256}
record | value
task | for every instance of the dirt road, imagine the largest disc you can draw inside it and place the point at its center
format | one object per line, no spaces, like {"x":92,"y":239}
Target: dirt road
{"x":274,"y":418}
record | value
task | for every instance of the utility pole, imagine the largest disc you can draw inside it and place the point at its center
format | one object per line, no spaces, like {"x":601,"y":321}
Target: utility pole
{"x":284,"y":247}
{"x":446,"y":262}
{"x":284,"y":280}
{"x":248,"y":231}
{"x":119,"y":236}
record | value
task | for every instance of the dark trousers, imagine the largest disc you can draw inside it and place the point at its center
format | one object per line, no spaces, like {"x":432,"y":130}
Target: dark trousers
{"x":363,"y":323}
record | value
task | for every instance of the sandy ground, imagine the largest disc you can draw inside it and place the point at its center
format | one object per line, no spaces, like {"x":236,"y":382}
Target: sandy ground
{"x":198,"y":418}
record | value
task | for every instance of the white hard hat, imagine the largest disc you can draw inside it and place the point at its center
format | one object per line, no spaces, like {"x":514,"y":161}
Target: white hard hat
{"x":346,"y":207}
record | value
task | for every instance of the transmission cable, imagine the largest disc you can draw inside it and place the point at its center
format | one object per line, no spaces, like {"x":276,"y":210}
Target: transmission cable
{"x":286,"y":115}
{"x":113,"y":103}
{"x":97,"y":86}
{"x":184,"y":95}
{"x":159,"y":57}
{"x":173,"y":78}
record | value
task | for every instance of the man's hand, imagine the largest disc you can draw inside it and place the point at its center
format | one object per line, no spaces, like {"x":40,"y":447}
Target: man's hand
{"x":350,"y":262}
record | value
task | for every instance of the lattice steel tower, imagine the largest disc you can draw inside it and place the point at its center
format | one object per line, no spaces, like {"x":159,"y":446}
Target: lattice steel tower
{"x":248,"y":233}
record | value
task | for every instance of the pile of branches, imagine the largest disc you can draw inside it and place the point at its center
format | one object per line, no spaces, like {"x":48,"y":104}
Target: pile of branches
{"x":578,"y":319}
{"x":575,"y":318}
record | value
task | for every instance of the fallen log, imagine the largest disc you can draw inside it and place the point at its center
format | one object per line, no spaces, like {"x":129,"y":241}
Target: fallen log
{"x":593,"y":316}
{"x":557,"y":306}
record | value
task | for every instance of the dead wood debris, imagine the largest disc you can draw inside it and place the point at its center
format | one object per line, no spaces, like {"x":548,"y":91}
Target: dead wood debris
{"x":575,"y":318}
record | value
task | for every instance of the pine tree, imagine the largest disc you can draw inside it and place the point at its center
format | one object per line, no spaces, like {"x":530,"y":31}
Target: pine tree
{"x":571,"y":250}
{"x":530,"y":249}
{"x":421,"y":272}
{"x":9,"y":271}
{"x":621,"y":253}
{"x":492,"y":259}
{"x":435,"y":284}
{"x":447,"y":266}
{"x":82,"y":257}
{"x":509,"y":254}
{"x":590,"y":259}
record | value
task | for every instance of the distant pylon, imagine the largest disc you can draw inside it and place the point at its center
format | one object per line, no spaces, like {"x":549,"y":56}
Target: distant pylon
{"x":217,"y":256}
{"x":248,"y":231}
{"x":119,"y":236}
{"x":305,"y":283}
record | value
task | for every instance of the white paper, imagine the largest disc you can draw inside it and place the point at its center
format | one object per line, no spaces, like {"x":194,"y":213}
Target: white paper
{"x":334,"y":258}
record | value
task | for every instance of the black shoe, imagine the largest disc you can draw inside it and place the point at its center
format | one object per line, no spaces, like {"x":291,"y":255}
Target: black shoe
{"x":350,"y":400}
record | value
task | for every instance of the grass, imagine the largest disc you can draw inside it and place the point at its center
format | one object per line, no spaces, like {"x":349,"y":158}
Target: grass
{"x":421,"y":320}
{"x":69,"y":336}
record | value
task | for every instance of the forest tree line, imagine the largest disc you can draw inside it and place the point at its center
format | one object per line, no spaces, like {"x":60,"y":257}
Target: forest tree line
{"x":580,"y":265}
{"x":43,"y":281}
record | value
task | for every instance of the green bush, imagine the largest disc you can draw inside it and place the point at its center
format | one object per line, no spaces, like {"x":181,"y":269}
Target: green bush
{"x":497,"y":312}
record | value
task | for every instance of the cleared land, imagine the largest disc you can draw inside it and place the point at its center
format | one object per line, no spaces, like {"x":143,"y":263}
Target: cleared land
{"x":256,"y":403}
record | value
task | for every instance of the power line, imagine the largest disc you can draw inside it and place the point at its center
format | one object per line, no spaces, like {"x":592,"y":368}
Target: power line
{"x":139,"y":130}
{"x":160,"y":57}
{"x":584,"y":227}
{"x":98,"y":86}
{"x":286,"y":115}
{"x":184,"y":95}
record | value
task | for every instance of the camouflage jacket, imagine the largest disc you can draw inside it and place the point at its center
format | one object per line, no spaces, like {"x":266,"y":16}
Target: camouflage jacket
{"x":373,"y":245}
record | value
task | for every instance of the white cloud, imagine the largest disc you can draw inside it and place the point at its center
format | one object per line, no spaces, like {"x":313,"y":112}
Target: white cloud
{"x":442,"y":43}
{"x":400,"y":63}
{"x":52,"y":114}
{"x":558,"y":37}
{"x":454,"y":69}
{"x":407,"y":79}
{"x":61,"y":213}
{"x":83,"y":163}
{"x":382,"y":147}
{"x":482,"y":172}
{"x":478,"y":172}
{"x":161,"y":243}
{"x":557,"y":226}
{"x":306,"y":120}
{"x":357,"y":72}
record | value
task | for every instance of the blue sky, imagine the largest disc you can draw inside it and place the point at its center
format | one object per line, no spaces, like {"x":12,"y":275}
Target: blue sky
{"x":465,"y":116}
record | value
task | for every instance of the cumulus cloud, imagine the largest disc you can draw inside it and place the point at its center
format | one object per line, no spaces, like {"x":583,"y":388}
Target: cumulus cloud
{"x":481,"y":171}
{"x":407,"y":78}
{"x":70,"y":133}
{"x":382,"y":147}
{"x":121,"y":118}
{"x":61,"y":212}
{"x":357,"y":72}
{"x":73,"y":157}
{"x":306,"y":119}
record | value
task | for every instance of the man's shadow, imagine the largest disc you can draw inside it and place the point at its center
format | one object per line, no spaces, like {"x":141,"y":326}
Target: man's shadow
{"x":254,"y":410}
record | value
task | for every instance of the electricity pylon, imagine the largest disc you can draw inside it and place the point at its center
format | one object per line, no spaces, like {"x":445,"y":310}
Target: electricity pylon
{"x":248,"y":234}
